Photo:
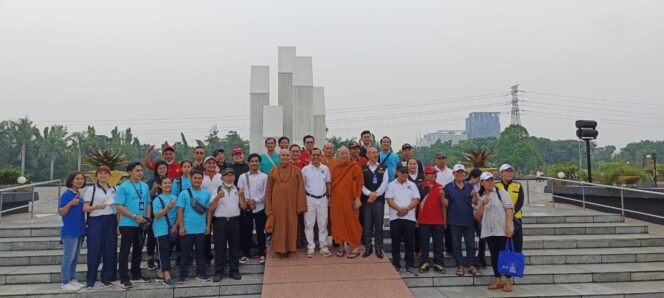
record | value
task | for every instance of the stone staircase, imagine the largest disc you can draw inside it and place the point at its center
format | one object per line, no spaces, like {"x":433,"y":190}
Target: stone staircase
{"x":568,"y":253}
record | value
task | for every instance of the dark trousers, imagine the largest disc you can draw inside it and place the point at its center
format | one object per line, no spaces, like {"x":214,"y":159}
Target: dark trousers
{"x":247,"y":224}
{"x":448,"y":240}
{"x":187,"y":245}
{"x":481,"y":250}
{"x":132,"y":239}
{"x":226,"y":234}
{"x":102,"y":243}
{"x":518,"y":235}
{"x":372,"y":220}
{"x":437,"y":232}
{"x":402,"y":230}
{"x":468,"y":233}
{"x":165,"y":247}
{"x":151,"y":243}
{"x":496,"y":244}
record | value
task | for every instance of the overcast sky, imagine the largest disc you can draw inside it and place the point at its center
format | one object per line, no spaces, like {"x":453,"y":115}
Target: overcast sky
{"x":163,"y":67}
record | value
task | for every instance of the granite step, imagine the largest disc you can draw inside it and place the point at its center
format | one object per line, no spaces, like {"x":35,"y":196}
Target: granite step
{"x":530,"y":242}
{"x":608,"y":289}
{"x":249,"y":285}
{"x":51,"y":273}
{"x":545,"y":274}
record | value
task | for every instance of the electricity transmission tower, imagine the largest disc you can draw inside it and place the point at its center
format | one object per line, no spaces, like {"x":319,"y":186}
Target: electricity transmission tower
{"x":516,"y":118}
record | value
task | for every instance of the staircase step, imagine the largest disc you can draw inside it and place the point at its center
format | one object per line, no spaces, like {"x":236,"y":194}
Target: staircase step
{"x":546,"y":274}
{"x":248,"y":285}
{"x":609,"y":289}
{"x":51,"y":273}
{"x":584,"y":229}
{"x":556,"y":218}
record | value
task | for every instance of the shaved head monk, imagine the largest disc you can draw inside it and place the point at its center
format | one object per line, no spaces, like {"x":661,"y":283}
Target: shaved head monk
{"x":345,"y":191}
{"x":285,"y":199}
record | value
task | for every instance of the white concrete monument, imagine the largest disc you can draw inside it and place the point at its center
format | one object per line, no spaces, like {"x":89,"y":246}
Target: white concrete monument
{"x":301,"y":106}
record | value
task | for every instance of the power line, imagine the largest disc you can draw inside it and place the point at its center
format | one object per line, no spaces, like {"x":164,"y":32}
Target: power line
{"x":593,"y":98}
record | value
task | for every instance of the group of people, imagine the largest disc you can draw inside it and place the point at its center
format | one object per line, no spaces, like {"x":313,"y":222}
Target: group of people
{"x":287,"y":197}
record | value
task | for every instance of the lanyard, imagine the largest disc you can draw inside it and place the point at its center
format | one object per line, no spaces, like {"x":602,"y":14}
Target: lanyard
{"x":138,"y":193}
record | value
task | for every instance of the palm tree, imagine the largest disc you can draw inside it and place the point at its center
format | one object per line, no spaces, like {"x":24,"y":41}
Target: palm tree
{"x":77,"y":140}
{"x":22,"y":132}
{"x":53,"y":144}
{"x":477,"y":157}
{"x":107,"y":158}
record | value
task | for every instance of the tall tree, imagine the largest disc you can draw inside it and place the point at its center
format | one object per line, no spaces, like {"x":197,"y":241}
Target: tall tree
{"x":515,"y":147}
{"x":23,"y":131}
{"x":53,"y":144}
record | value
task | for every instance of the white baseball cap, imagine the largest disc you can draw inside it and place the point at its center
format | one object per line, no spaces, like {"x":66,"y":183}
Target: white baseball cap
{"x":506,"y":166}
{"x":458,"y":167}
{"x":485,"y":176}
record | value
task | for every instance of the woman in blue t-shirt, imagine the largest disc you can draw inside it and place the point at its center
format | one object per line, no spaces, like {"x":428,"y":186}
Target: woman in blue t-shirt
{"x":184,"y":181}
{"x":70,"y":207}
{"x":164,"y":228}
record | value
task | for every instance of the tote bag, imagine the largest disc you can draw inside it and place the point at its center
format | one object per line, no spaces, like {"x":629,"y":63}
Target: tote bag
{"x":511,"y":262}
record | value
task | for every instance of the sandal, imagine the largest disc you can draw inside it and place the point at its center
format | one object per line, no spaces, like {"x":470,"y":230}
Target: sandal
{"x":475,"y":272}
{"x":460,"y":271}
{"x":495,"y":286}
{"x":508,"y":286}
{"x":341,"y":253}
{"x":292,"y":256}
{"x":353,"y":255}
{"x":276,"y":256}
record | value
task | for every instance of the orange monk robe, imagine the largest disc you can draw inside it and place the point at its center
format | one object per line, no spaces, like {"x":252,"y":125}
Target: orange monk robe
{"x":347,"y":182}
{"x":284,"y":199}
{"x":330,"y":162}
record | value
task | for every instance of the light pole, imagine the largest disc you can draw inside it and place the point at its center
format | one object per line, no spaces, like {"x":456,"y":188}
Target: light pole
{"x":586,"y":130}
{"x":654,"y":168}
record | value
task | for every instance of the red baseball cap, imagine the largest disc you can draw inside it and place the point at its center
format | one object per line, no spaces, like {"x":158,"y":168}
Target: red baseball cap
{"x":167,"y":147}
{"x":237,"y":150}
{"x":430,"y":170}
{"x":103,"y":169}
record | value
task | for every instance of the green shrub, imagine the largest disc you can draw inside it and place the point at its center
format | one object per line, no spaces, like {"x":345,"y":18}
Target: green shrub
{"x":9,"y":174}
{"x":611,"y":171}
{"x":570,"y":169}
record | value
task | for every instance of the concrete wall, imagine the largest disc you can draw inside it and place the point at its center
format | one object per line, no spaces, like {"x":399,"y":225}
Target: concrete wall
{"x":273,"y":117}
{"x":319,"y":116}
{"x":259,"y":96}
{"x":303,"y":99}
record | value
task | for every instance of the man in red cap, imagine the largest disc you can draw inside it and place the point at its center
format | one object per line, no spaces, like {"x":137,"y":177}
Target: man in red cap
{"x":167,"y":154}
{"x":431,"y":221}
{"x":354,"y":149}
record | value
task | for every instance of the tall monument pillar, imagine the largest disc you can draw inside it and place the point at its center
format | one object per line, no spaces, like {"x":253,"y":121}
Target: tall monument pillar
{"x":319,"y":128}
{"x":303,"y":98}
{"x":259,"y":96}
{"x":285,"y":82}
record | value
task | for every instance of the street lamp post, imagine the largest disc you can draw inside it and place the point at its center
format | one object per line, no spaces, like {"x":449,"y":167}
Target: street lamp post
{"x":654,"y":168}
{"x":586,"y":130}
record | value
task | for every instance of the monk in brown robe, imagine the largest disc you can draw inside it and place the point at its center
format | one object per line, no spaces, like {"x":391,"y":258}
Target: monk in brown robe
{"x":328,"y":157}
{"x":345,"y":191}
{"x":285,"y":199}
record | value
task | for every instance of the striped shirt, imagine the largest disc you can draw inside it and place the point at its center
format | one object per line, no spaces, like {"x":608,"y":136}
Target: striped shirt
{"x":493,"y":219}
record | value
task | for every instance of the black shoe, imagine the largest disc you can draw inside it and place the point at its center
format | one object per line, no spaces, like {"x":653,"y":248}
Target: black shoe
{"x":202,"y":278}
{"x":151,"y":265}
{"x":483,"y":263}
{"x":397,"y":267}
{"x":379,"y":253}
{"x":218,"y":278}
{"x":182,"y":279}
{"x":107,"y":284}
{"x":139,"y":279}
{"x":235,"y":276}
{"x":367,"y":252}
{"x":126,"y":285}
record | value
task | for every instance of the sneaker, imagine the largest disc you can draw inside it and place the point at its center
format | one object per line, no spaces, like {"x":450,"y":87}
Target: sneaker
{"x":126,"y":285}
{"x":218,"y":278}
{"x":438,"y":268}
{"x":235,"y":276}
{"x":244,"y":260}
{"x":139,"y":279}
{"x":261,"y":260}
{"x":310,"y":253}
{"x":325,"y":252}
{"x":424,"y":268}
{"x":151,"y":265}
{"x":412,"y":270}
{"x":182,"y":279}
{"x":169,"y":282}
{"x":158,"y":279}
{"x":76,"y":283}
{"x":106,"y":284}
{"x":202,"y":278}
{"x":70,"y":287}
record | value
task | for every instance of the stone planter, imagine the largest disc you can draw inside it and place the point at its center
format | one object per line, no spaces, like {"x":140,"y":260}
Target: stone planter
{"x":627,"y":180}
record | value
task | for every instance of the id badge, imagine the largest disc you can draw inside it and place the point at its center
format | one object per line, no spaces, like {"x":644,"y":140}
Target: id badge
{"x":141,"y":205}
{"x":375,"y":179}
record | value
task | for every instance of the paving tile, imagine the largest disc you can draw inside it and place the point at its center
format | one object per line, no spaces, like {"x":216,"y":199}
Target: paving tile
{"x":583,"y":259}
{"x":453,"y":281}
{"x":572,"y":278}
{"x":461,"y":292}
{"x":548,"y":290}
{"x":611,"y":277}
{"x":347,"y":288}
{"x":589,"y":289}
{"x":426,"y":293}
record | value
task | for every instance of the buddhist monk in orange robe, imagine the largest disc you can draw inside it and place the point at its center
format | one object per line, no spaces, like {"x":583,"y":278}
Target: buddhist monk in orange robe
{"x":285,"y":199}
{"x":345,"y":191}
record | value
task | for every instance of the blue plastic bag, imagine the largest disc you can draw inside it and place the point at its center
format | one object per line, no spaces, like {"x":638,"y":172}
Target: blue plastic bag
{"x":511,"y":263}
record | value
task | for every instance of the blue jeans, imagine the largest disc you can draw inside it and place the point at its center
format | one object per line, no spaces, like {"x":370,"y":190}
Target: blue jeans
{"x":468,"y":233}
{"x":71,"y":251}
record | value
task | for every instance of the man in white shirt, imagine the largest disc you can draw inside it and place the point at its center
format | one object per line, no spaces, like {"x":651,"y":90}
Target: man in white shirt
{"x":445,"y":175}
{"x":211,"y":182}
{"x":403,"y":197}
{"x":317,"y":180}
{"x":225,"y":208}
{"x":373,"y":202}
{"x":253,"y":184}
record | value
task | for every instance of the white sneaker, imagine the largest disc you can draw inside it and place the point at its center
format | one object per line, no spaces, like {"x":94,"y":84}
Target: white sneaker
{"x":310,"y":252}
{"x":261,"y":260}
{"x":243,"y":260}
{"x":325,"y":252}
{"x":70,"y":287}
{"x":76,"y":283}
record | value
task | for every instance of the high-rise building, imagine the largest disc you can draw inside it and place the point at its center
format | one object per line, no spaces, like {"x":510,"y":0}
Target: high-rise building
{"x":483,"y":125}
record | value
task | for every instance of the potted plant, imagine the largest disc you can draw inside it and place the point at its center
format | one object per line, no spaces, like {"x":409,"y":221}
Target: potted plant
{"x":478,"y":158}
{"x":110,"y":159}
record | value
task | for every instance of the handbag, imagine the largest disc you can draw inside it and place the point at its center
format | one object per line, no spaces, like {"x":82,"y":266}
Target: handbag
{"x":510,"y":262}
{"x":195,"y":204}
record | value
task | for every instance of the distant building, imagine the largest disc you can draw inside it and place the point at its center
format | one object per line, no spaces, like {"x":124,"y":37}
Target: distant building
{"x":443,"y":136}
{"x":483,"y":125}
